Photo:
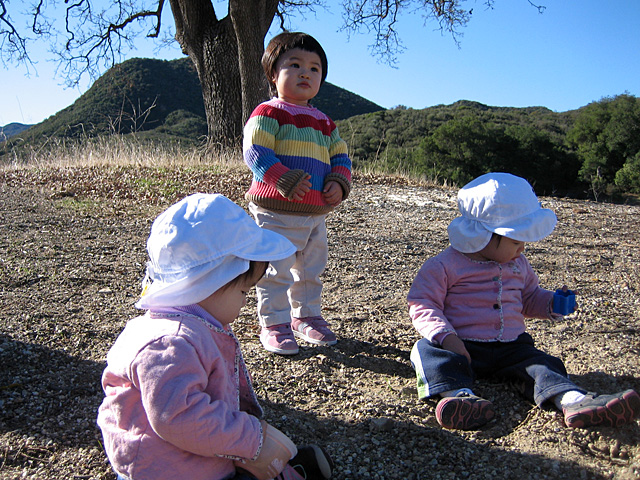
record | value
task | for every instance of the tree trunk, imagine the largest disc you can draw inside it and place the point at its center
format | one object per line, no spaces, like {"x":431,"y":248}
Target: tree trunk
{"x":220,"y":80}
{"x":251,"y":21}
{"x":212,"y":46}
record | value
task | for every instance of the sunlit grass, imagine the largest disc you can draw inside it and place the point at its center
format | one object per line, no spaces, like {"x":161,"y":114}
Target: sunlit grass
{"x":130,"y":151}
{"x":116,"y":151}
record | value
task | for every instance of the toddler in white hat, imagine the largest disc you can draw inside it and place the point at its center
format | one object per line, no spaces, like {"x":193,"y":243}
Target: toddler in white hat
{"x":469,"y":303}
{"x":179,"y":401}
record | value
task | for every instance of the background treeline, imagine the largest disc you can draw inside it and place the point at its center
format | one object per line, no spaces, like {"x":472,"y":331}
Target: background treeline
{"x":593,"y":150}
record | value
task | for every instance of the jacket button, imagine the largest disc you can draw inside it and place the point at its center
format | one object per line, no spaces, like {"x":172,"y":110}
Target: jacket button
{"x":496,"y":306}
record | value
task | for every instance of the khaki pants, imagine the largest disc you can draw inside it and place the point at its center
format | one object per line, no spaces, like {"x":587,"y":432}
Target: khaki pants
{"x":292,"y":286}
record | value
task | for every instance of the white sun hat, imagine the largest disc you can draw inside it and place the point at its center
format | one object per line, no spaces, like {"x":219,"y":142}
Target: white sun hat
{"x":498,"y":203}
{"x":200,"y":244}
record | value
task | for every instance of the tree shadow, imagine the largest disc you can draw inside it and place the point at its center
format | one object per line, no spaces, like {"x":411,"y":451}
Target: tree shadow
{"x":52,"y":398}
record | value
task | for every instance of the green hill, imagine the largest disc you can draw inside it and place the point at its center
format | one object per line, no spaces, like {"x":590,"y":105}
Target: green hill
{"x":163,"y":97}
{"x":405,"y":128}
{"x":12,"y":129}
{"x":593,"y":150}
{"x":456,"y":143}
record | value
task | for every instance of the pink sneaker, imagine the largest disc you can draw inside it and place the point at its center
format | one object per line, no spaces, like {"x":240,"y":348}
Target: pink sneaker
{"x":464,"y":412}
{"x":279,"y":339}
{"x":313,"y":330}
{"x":603,"y":410}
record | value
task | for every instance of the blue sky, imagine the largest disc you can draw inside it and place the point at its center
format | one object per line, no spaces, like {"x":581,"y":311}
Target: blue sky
{"x":575,"y":53}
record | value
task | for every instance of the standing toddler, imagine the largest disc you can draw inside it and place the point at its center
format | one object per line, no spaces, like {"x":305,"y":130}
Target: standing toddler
{"x":301,"y":171}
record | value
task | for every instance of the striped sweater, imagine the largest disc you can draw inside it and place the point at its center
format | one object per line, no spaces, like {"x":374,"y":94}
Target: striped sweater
{"x":285,"y":142}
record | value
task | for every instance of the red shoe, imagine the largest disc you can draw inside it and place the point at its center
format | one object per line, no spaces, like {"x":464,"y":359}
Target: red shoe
{"x":464,"y":412}
{"x":279,"y":339}
{"x":603,"y":410}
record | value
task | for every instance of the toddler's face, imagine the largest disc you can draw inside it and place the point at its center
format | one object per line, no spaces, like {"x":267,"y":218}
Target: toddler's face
{"x":502,"y":249}
{"x":298,"y":76}
{"x":225,"y":304}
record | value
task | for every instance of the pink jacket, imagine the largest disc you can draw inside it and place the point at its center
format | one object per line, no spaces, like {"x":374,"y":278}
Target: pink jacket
{"x":179,"y":402}
{"x":481,"y":301}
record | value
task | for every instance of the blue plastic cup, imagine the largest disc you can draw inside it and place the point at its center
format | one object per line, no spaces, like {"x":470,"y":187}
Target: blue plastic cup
{"x":564,"y":302}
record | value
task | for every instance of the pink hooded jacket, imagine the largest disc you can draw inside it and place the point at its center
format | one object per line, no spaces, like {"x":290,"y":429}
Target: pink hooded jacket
{"x":479,"y":301}
{"x":179,"y":402}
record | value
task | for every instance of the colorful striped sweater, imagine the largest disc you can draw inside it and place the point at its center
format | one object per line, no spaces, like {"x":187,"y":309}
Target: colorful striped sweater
{"x":285,"y":142}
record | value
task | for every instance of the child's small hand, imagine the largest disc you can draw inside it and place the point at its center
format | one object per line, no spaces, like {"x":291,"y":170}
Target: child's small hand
{"x":453,"y":343}
{"x":332,"y":193}
{"x":277,"y":450}
{"x":302,"y":189}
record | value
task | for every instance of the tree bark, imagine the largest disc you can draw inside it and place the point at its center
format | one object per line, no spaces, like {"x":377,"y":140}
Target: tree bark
{"x":213,"y":48}
{"x":251,"y":21}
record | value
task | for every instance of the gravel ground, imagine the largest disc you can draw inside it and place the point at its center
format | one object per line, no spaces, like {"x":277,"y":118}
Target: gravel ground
{"x":72,"y":257}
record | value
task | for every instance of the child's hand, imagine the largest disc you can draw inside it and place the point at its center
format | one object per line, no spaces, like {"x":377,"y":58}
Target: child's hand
{"x":301,"y":190}
{"x":277,"y":450}
{"x":453,"y":343}
{"x":332,"y":193}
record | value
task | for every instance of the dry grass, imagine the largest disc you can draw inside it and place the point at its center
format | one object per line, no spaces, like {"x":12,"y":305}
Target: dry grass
{"x":116,"y":151}
{"x":127,"y":151}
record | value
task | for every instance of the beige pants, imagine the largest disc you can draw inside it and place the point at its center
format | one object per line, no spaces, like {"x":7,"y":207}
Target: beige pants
{"x":292,"y":286}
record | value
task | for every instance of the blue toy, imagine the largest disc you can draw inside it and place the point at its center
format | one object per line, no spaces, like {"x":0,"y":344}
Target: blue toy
{"x":564,"y":301}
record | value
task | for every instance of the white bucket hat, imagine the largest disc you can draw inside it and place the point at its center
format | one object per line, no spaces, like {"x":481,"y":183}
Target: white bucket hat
{"x":498,"y":203}
{"x":200,"y":244}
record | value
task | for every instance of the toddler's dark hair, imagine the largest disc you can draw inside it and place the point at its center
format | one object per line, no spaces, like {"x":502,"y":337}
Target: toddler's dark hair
{"x":284,"y":42}
{"x":255,"y":267}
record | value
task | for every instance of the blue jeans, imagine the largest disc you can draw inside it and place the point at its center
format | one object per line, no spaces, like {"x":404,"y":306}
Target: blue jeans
{"x":536,"y":374}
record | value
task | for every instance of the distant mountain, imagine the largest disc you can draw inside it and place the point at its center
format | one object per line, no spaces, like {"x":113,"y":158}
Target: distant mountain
{"x":12,"y":129}
{"x":164,"y":97}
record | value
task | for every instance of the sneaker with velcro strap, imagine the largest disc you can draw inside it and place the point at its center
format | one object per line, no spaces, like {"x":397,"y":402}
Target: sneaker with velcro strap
{"x":603,"y":410}
{"x":464,"y":412}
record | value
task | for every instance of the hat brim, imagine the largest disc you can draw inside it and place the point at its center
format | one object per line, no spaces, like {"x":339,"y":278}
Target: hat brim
{"x":200,"y":282}
{"x":530,"y":228}
{"x":193,"y":288}
{"x":469,"y":235}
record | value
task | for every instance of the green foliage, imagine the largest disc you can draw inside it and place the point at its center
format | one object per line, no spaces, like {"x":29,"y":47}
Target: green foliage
{"x":455,"y":143}
{"x":182,"y":123}
{"x":339,"y":103}
{"x":134,"y":96}
{"x":593,"y":150}
{"x":606,"y":136}
{"x":628,"y":177}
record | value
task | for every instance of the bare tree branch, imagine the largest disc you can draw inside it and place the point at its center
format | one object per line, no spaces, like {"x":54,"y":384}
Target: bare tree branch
{"x":12,"y":44}
{"x":540,"y":8}
{"x":89,"y":36}
{"x":382,"y":16}
{"x":97,"y":39}
{"x":288,"y":8}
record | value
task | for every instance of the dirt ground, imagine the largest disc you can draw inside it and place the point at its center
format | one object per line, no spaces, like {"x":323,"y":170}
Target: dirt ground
{"x":72,"y":255}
